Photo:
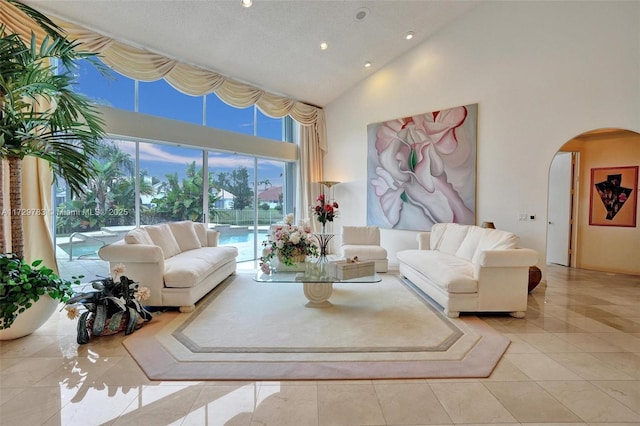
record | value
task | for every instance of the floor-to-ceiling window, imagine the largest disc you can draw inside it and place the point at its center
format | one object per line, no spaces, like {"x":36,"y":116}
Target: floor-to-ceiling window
{"x":171,"y":177}
{"x":107,"y":202}
{"x":151,"y":181}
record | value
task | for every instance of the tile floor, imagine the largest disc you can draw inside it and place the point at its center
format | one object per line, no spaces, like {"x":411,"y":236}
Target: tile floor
{"x":574,"y":360}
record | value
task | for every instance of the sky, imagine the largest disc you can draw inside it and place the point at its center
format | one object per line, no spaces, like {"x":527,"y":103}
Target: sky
{"x":159,"y":160}
{"x":160,"y":99}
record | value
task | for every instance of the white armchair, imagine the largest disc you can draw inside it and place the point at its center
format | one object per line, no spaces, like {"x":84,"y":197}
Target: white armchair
{"x":364,"y":242}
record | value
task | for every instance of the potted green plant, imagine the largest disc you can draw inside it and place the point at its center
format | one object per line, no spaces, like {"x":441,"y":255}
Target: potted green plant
{"x":40,"y":116}
{"x":32,"y":287}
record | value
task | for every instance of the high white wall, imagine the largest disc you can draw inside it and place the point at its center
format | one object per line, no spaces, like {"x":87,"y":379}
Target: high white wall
{"x":541,"y":73}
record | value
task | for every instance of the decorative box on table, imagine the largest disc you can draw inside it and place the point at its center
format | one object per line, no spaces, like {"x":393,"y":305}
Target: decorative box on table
{"x":349,"y":270}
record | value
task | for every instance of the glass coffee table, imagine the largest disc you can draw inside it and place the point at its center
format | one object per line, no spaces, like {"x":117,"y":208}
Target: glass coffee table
{"x":317,"y":281}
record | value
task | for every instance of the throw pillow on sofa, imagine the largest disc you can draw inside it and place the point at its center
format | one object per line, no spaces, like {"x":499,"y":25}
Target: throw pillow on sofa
{"x":138,"y":236}
{"x":201,"y":232}
{"x":162,"y":236}
{"x":185,"y":235}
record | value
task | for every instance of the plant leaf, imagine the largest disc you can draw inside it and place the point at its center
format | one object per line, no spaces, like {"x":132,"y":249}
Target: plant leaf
{"x":83,"y":333}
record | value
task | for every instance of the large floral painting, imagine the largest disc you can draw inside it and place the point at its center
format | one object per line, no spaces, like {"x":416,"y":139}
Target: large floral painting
{"x":422,"y":169}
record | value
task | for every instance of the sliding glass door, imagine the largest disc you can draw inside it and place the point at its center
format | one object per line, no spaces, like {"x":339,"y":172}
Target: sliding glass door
{"x":238,"y":195}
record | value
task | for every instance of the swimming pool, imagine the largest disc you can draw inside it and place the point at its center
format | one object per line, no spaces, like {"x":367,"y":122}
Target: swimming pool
{"x":82,"y":249}
{"x":244,"y":243}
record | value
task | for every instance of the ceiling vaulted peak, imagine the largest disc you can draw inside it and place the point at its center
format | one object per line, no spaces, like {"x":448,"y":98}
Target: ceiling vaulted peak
{"x":273,"y":44}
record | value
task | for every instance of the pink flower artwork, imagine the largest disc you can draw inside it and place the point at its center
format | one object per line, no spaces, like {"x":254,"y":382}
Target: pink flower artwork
{"x":421,"y":170}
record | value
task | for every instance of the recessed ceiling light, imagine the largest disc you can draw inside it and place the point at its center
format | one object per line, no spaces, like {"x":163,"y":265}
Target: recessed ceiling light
{"x":409,"y":35}
{"x":361,"y":14}
{"x":324,"y":46}
{"x":246,"y":3}
{"x":367,"y":64}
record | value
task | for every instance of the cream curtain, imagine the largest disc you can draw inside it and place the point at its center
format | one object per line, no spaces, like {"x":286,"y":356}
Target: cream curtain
{"x":310,"y":172}
{"x":37,"y":182}
{"x":38,"y":211}
{"x":148,"y":66}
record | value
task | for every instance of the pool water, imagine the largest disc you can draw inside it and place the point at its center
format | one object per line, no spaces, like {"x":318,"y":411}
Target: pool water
{"x":84,"y":250}
{"x":244,"y":243}
{"x":226,"y":240}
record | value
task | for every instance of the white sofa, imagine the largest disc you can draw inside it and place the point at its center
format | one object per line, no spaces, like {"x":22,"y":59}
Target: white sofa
{"x":467,"y":268}
{"x":179,"y":262}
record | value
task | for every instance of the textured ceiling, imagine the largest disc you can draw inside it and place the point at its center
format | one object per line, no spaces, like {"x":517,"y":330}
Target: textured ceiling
{"x":274,"y":45}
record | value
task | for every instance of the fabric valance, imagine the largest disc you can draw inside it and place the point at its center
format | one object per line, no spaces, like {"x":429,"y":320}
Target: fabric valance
{"x":143,"y":65}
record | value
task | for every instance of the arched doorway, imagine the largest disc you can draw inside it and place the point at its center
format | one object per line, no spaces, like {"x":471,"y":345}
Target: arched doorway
{"x":591,"y":245}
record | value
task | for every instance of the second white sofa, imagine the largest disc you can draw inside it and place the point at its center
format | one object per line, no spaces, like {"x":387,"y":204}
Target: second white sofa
{"x":180,"y":262}
{"x":467,"y":268}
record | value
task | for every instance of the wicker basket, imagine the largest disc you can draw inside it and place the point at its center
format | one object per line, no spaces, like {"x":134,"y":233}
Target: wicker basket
{"x":298,"y":266}
{"x":295,"y":259}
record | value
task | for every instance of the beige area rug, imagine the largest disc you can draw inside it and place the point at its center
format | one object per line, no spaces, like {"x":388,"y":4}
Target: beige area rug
{"x":244,"y":330}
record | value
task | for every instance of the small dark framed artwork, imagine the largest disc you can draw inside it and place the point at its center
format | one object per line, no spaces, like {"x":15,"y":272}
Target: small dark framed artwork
{"x":614,"y":196}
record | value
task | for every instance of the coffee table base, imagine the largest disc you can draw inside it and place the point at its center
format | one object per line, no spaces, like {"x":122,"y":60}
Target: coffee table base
{"x":318,"y":294}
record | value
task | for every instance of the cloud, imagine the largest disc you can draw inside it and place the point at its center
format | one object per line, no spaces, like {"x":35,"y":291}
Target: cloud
{"x":230,"y":161}
{"x":155,"y":152}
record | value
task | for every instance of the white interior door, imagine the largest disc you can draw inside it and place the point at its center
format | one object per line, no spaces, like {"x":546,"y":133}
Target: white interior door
{"x":559,"y":214}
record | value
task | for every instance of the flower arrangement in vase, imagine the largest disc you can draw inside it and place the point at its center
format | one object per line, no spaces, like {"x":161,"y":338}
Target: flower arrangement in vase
{"x":113,"y":306}
{"x":325,"y":210}
{"x":290,"y":243}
